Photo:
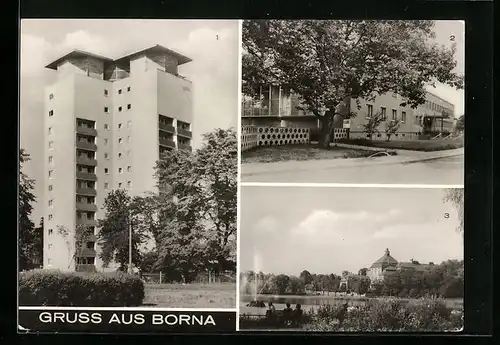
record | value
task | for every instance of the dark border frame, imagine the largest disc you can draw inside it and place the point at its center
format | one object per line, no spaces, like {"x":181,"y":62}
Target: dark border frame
{"x":479,"y":104}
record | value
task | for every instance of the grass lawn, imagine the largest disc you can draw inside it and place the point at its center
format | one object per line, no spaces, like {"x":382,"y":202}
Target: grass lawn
{"x":415,"y":145}
{"x":270,"y":154}
{"x":221,"y":295}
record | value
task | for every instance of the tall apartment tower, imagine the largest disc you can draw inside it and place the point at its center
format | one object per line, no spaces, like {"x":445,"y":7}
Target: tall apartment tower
{"x":106,"y":123}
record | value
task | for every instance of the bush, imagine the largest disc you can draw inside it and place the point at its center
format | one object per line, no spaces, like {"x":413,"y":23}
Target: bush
{"x":54,"y":288}
{"x":391,"y":315}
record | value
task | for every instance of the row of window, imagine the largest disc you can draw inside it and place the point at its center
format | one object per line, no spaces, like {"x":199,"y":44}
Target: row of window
{"x":106,"y":109}
{"x":120,"y":91}
{"x":120,"y":140}
{"x":90,"y":171}
{"x":120,"y":125}
{"x":106,"y":142}
{"x":383,"y":111}
{"x":436,"y":107}
{"x":120,"y":170}
{"x":120,"y":108}
{"x":120,"y":185}
{"x":106,"y":187}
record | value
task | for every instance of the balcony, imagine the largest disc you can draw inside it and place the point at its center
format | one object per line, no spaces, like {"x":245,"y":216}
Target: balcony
{"x":185,"y":147}
{"x":166,"y":128}
{"x":86,"y":161}
{"x":86,"y":176}
{"x":81,"y":206}
{"x":85,"y":268}
{"x":83,"y":145}
{"x":86,"y":252}
{"x":91,"y":238}
{"x":167,"y":143}
{"x":86,"y":191}
{"x":86,"y":131}
{"x":184,"y":133}
{"x":85,"y":221}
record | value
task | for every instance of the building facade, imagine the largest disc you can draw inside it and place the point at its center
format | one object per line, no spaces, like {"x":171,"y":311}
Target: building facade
{"x":107,"y":121}
{"x":386,"y":266}
{"x":279,"y":107}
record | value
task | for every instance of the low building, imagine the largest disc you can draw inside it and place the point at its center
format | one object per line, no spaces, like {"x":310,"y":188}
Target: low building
{"x":277,"y":106}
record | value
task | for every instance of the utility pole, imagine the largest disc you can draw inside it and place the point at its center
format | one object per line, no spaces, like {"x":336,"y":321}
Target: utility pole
{"x":129,"y":244}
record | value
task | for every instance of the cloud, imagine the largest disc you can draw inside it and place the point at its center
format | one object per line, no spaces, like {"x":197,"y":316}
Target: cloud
{"x":343,"y":226}
{"x":267,"y":224}
{"x":428,"y":230}
{"x":33,"y":53}
{"x":86,"y":41}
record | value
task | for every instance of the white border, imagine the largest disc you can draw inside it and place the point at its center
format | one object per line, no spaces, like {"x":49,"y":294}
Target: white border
{"x":238,"y":198}
{"x":124,"y":309}
{"x":351,"y":185}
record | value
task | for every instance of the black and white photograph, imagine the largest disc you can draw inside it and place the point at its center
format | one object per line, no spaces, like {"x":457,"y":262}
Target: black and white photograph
{"x":353,"y":101}
{"x":347,"y":259}
{"x":128,"y":163}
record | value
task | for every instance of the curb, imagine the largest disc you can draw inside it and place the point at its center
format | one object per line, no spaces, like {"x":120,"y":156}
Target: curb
{"x":333,"y":163}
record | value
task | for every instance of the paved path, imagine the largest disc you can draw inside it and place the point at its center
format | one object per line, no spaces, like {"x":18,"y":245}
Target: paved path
{"x":408,"y":167}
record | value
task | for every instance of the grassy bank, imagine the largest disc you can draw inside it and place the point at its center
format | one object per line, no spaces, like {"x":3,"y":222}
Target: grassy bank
{"x":298,"y":153}
{"x":191,"y":295}
{"x":388,"y":315}
{"x":414,"y":145}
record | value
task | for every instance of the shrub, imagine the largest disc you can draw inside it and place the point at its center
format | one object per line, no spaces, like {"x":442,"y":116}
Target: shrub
{"x":54,"y":288}
{"x":391,"y":315}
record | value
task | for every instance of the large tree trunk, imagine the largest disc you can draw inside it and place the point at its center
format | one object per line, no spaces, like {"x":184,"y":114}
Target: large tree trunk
{"x":326,"y":131}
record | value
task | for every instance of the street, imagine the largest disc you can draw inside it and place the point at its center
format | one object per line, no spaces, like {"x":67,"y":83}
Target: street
{"x":448,"y":171}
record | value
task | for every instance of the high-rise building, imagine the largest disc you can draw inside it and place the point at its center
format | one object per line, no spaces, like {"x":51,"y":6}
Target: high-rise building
{"x":107,"y":121}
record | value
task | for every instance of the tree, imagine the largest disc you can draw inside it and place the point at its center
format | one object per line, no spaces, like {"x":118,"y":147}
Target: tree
{"x":27,"y":237}
{"x":121,"y":211}
{"x":460,"y":125}
{"x":217,"y":167}
{"x":306,"y":277}
{"x":371,"y":126}
{"x":281,"y":282}
{"x":37,"y":251}
{"x":363,"y":271}
{"x":149,"y":262}
{"x":328,"y":62}
{"x":74,"y":239}
{"x":196,"y":206}
{"x":452,"y":288}
{"x":181,"y":243}
{"x":456,"y":197}
{"x":295,"y":286}
{"x":359,"y":284}
{"x":391,"y":127}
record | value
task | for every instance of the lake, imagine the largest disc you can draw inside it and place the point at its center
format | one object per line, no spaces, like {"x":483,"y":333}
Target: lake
{"x":312,"y":302}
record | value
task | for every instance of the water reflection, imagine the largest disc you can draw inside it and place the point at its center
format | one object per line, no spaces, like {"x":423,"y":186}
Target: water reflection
{"x":306,"y":300}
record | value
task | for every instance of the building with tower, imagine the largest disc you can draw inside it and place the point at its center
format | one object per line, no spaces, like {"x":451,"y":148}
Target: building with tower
{"x":386,"y":266}
{"x":107,"y":121}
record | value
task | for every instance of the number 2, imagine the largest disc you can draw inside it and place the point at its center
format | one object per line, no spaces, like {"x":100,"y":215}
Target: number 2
{"x":452,"y":38}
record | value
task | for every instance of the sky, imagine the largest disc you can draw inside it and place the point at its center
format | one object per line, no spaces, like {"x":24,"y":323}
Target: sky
{"x":211,"y":44}
{"x":444,"y":29}
{"x":329,"y":230}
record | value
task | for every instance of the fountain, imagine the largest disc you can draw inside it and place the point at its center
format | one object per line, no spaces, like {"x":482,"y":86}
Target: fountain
{"x":256,"y":285}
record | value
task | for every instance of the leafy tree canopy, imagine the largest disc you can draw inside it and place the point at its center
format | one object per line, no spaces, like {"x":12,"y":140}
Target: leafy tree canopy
{"x":327,"y":61}
{"x":28,"y":236}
